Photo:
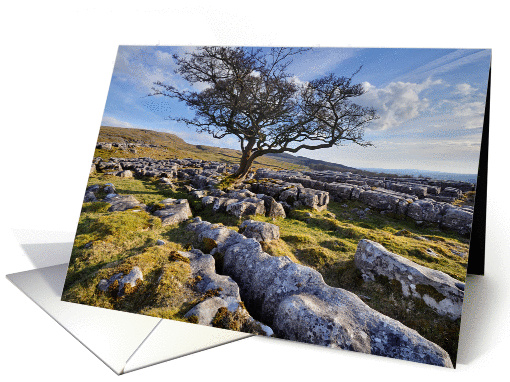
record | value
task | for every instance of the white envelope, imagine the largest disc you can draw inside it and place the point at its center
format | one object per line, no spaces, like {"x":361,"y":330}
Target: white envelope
{"x":123,"y":341}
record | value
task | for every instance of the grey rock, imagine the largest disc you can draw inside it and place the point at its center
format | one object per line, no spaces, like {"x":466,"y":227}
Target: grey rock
{"x":458,"y":220}
{"x":273,"y":208}
{"x":208,"y":200}
{"x":206,"y":310}
{"x":372,"y":259}
{"x":297,"y":304}
{"x":125,"y":174}
{"x":199,"y":194}
{"x":246,"y":207}
{"x":221,"y":204}
{"x":89,"y":197}
{"x":174,"y":211}
{"x":123,"y":203}
{"x":109,"y":188}
{"x":131,"y":278}
{"x":260,"y":231}
{"x":104,"y":284}
{"x":425,"y":210}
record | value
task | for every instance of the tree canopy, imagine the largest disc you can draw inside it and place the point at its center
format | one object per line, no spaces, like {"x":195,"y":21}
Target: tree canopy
{"x":248,"y":93}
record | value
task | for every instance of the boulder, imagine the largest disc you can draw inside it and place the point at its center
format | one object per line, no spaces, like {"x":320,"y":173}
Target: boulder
{"x":89,"y":197}
{"x":130,"y":279}
{"x":294,"y":300}
{"x":104,"y":284}
{"x":211,"y":235}
{"x":246,"y":207}
{"x":123,"y":202}
{"x":109,"y":188}
{"x":260,"y":231}
{"x":458,"y":220}
{"x":273,"y":208}
{"x":206,"y":310}
{"x":317,"y":200}
{"x":125,"y":174}
{"x":226,"y":295}
{"x":382,"y":200}
{"x":426,"y":210}
{"x":208,"y":200}
{"x":221,"y":204}
{"x":441,"y":292}
{"x":350,"y":325}
{"x":174,"y":211}
{"x":199,"y":194}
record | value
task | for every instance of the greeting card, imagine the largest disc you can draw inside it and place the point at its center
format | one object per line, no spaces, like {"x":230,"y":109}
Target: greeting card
{"x":331,"y":196}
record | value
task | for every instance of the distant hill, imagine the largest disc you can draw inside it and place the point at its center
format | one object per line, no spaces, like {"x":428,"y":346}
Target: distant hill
{"x":431,"y":174}
{"x":314,"y":164}
{"x":171,"y":146}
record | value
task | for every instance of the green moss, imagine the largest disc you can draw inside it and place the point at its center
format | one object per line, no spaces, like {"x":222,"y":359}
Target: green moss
{"x":227,"y":320}
{"x":210,"y":293}
{"x":430,"y":291}
{"x":226,"y":183}
{"x":176,"y":256}
{"x":208,"y":244}
{"x":193,"y":319}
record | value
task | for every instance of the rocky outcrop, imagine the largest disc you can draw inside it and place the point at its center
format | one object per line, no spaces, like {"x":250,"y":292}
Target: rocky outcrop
{"x":273,"y":208}
{"x":246,"y":207}
{"x":385,"y":200}
{"x":224,"y":294}
{"x":119,"y":281}
{"x":441,"y":292}
{"x":260,"y":231}
{"x":421,"y":199}
{"x":123,"y":202}
{"x":173,"y":211}
{"x":294,"y":194}
{"x":296,"y":302}
{"x":458,"y":219}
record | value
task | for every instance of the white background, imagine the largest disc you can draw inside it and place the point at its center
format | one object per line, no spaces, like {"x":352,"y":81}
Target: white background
{"x":56,"y":64}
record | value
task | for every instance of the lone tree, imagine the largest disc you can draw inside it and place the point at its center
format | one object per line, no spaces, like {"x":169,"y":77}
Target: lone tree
{"x":248,"y":93}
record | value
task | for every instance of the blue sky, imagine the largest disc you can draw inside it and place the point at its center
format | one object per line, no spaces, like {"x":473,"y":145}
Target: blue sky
{"x":430,"y":102}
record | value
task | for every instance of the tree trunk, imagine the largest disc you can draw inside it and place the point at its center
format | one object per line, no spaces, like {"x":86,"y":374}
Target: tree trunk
{"x":244,"y":166}
{"x":245,"y":163}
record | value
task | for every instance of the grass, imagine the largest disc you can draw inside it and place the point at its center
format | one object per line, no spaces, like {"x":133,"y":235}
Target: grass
{"x":111,"y":243}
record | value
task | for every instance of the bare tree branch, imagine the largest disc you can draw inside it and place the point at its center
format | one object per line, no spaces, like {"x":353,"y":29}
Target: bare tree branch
{"x":250,"y":95}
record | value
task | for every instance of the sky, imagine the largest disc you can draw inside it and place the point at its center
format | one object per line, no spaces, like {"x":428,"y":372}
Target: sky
{"x":430,"y":102}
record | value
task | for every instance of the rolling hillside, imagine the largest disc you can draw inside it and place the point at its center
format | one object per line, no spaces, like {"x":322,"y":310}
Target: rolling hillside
{"x":171,"y":146}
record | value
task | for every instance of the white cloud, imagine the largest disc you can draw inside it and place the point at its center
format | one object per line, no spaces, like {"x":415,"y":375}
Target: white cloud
{"x":396,"y":103}
{"x":471,"y":114}
{"x":143,"y":65}
{"x":297,"y":81}
{"x":464,"y":89}
{"x":114,"y":122}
